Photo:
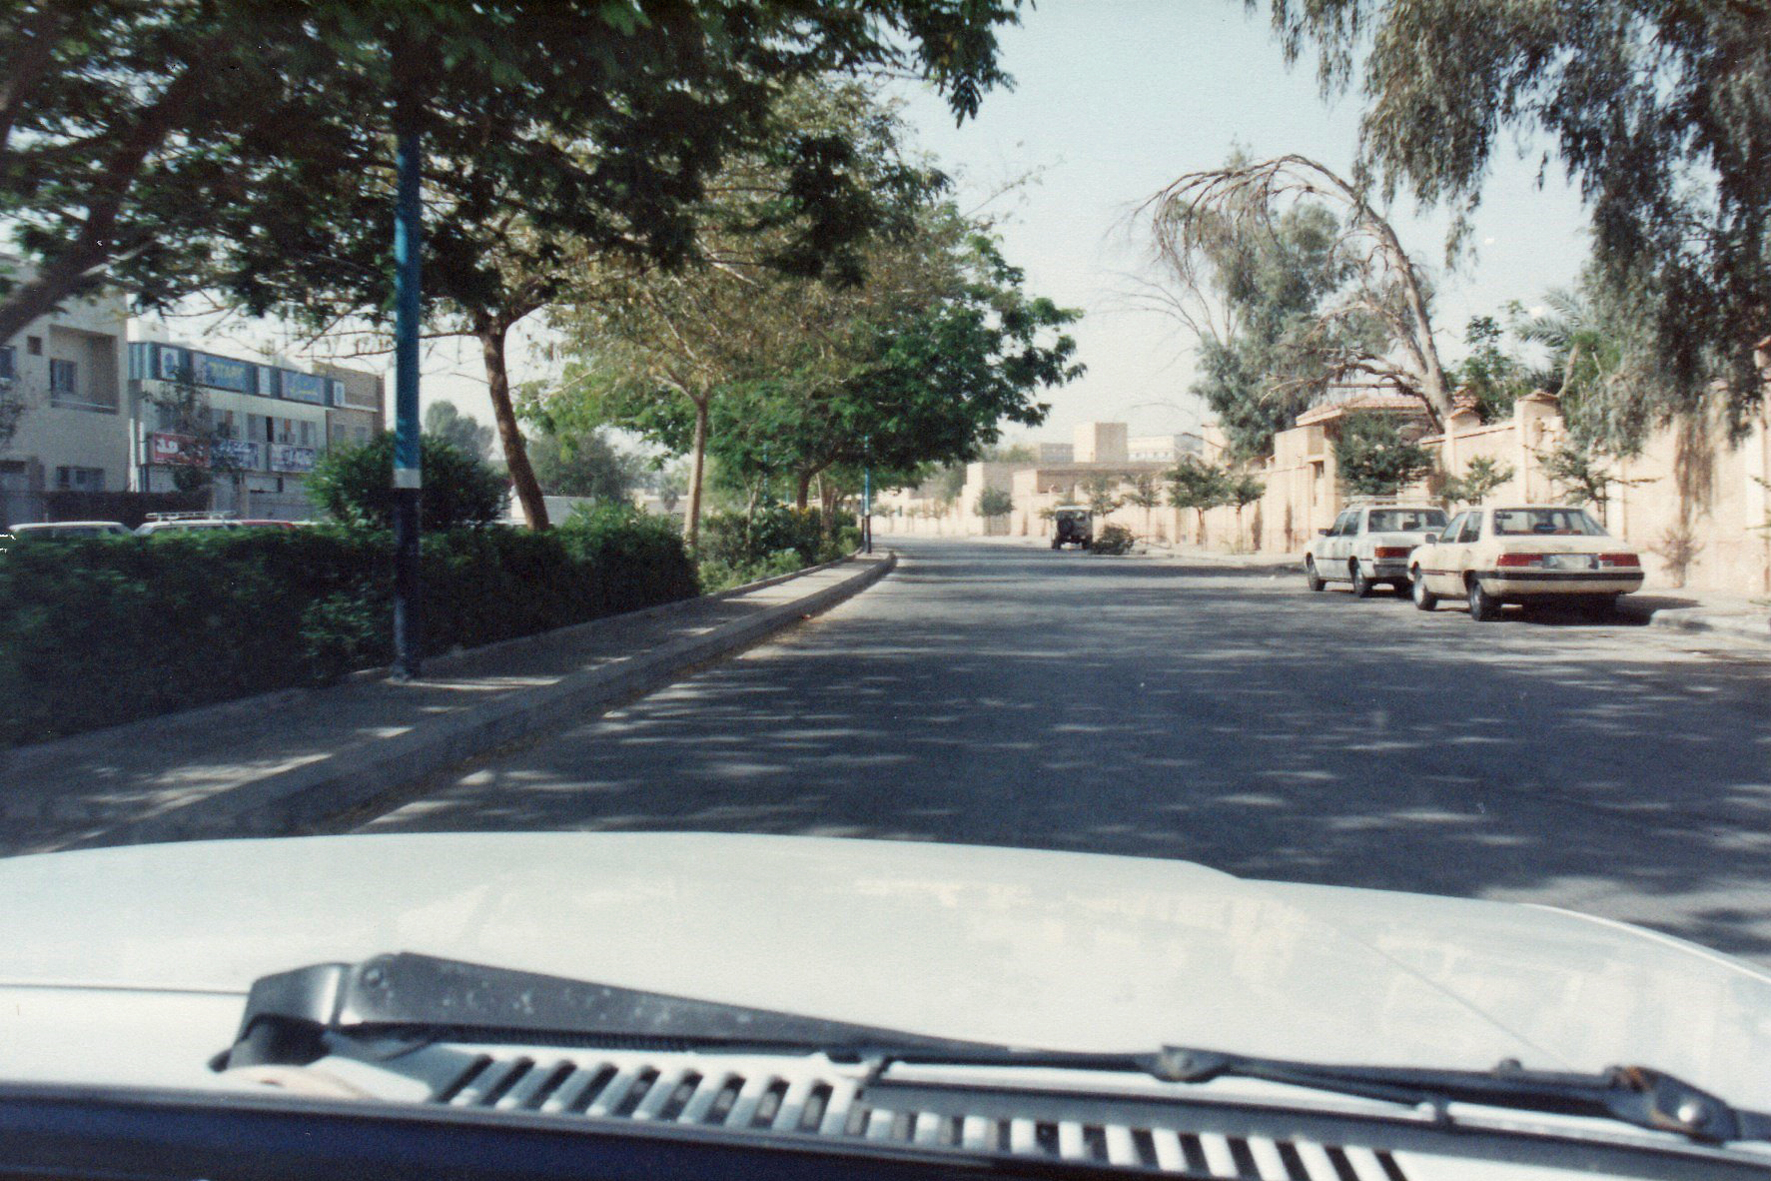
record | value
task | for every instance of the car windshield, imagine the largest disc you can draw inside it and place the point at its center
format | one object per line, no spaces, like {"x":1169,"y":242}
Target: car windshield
{"x":1054,"y":526}
{"x":1404,"y":520}
{"x":1545,"y":522}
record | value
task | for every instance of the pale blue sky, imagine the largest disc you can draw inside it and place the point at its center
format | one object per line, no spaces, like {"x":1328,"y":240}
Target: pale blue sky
{"x":1113,"y":99}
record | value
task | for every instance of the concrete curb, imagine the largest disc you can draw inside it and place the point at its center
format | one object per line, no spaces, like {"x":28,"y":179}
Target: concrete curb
{"x":301,"y":797}
{"x":17,"y":762}
{"x":1756,"y":628}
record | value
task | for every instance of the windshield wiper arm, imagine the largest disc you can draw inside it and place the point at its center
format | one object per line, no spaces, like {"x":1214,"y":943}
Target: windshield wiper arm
{"x":288,"y":1015}
{"x":1634,"y":1095}
{"x":426,"y":998}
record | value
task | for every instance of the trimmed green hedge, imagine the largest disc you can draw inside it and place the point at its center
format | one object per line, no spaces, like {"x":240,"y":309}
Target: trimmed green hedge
{"x":95,"y":633}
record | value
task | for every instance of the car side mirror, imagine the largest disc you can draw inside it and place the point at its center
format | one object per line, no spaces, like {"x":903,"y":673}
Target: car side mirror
{"x":1429,"y":539}
{"x":1321,"y":533}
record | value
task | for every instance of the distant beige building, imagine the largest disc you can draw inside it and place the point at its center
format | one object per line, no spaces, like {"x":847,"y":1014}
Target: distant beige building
{"x":73,"y":435}
{"x":1100,"y":442}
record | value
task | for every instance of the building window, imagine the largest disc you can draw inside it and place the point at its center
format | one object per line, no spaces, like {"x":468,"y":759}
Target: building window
{"x":80,"y":479}
{"x":34,"y":345}
{"x":8,"y":363}
{"x":64,"y":378}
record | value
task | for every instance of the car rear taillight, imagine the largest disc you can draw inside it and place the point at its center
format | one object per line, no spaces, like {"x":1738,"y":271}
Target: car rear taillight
{"x":1519,"y":560}
{"x":1620,"y":560}
{"x":1390,"y":551}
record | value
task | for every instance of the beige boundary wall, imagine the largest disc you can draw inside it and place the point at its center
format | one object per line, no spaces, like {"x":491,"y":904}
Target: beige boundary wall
{"x":1696,"y":503}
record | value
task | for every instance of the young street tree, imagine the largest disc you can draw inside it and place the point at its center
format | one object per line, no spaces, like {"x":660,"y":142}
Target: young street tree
{"x":994,"y":502}
{"x":1200,"y":486}
{"x":1330,"y":297}
{"x":1146,"y":495}
{"x":1659,"y":109}
{"x":1375,"y":457}
{"x":654,"y":349}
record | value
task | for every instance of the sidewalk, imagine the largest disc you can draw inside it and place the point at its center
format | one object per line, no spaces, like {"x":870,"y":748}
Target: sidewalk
{"x":286,"y":762}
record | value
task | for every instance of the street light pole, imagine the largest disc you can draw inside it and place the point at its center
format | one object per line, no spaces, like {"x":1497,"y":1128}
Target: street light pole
{"x":867,"y":507}
{"x":408,"y":473}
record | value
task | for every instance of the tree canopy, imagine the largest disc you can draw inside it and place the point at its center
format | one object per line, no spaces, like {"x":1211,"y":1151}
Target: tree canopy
{"x":1291,"y":279}
{"x":1658,"y":108}
{"x":1375,"y":457}
{"x":445,"y":420}
{"x":170,"y":144}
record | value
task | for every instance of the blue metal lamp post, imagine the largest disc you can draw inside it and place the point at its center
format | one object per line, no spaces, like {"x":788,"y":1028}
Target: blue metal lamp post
{"x":408,"y":474}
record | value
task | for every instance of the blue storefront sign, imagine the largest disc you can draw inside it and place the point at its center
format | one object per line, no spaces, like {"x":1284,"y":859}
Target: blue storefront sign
{"x":304,"y":387}
{"x":175,"y":364}
{"x":288,"y":458}
{"x":237,"y":454}
{"x":223,"y":374}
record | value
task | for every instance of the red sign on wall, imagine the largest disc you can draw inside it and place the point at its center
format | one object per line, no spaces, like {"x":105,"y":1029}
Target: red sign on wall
{"x":177,"y":450}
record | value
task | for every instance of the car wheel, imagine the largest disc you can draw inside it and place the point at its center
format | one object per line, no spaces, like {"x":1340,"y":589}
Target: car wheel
{"x":1484,"y":607}
{"x":1361,"y":584}
{"x":1310,"y":575}
{"x":1425,"y":599}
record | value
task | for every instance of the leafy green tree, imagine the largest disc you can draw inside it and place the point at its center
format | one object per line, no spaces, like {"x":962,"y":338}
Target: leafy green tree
{"x":1304,"y":258}
{"x":354,"y":485}
{"x":1101,"y":494}
{"x":1375,"y":457}
{"x":584,"y":465}
{"x":446,"y":421}
{"x":994,"y":502}
{"x":1145,"y":495}
{"x":656,"y":350}
{"x":1198,"y":485}
{"x":1481,"y":476}
{"x":1659,"y":109}
{"x":1493,"y":377}
{"x":1242,"y":489}
{"x":1585,"y":474}
{"x":1602,"y":365}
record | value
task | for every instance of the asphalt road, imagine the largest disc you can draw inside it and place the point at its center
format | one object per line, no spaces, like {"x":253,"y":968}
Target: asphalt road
{"x":994,"y":693}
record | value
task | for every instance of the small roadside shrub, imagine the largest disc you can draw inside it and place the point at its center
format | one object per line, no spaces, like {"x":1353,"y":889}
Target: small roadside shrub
{"x":354,"y":485}
{"x":1114,"y":539}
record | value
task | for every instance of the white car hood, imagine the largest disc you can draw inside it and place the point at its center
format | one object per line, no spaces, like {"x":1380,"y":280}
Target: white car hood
{"x":149,"y":948}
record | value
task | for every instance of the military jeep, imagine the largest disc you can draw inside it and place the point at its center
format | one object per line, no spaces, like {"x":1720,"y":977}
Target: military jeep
{"x":1073,"y":524}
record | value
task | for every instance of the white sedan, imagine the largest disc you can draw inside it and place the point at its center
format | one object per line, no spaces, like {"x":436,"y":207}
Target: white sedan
{"x":1529,"y":554}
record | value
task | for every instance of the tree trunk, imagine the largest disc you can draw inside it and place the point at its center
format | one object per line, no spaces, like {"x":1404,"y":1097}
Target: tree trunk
{"x":803,"y":494}
{"x":516,"y":455}
{"x":697,"y":472}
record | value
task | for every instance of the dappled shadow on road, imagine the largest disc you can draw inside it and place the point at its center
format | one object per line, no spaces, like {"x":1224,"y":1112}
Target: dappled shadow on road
{"x":997,"y":696}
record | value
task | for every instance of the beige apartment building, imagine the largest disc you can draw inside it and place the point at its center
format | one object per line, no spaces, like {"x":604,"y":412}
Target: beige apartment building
{"x":362,"y":413}
{"x":65,"y":373}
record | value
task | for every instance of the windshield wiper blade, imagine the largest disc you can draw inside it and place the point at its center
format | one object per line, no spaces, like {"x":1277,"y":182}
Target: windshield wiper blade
{"x":1635,"y":1095}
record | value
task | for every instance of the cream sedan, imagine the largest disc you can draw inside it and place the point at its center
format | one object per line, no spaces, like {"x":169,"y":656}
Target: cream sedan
{"x":1528,"y":554}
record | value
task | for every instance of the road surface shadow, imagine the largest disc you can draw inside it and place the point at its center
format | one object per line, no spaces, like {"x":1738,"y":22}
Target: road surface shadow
{"x":996,"y":697}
